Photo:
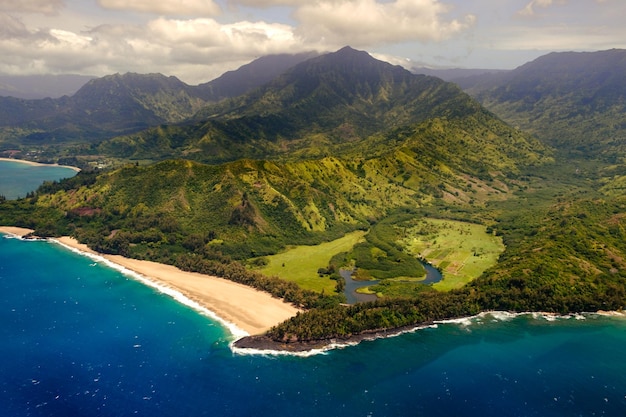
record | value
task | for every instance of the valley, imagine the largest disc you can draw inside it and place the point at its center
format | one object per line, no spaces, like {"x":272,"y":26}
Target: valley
{"x":462,"y":251}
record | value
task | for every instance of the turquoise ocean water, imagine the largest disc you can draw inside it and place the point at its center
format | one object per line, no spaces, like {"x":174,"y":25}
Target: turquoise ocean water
{"x":18,"y":178}
{"x":79,"y":338}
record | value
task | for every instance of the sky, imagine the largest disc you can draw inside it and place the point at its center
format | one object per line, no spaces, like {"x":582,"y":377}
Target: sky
{"x":198,"y":40}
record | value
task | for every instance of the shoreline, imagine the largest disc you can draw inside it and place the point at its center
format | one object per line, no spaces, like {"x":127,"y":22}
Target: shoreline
{"x":33,"y":163}
{"x":261,"y":344}
{"x":221,"y":300}
{"x":242,"y":309}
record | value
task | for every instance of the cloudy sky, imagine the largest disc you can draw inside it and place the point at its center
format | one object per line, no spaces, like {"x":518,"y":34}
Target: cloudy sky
{"x":198,"y":40}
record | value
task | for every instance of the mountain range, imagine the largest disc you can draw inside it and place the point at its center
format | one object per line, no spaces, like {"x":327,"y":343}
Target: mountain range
{"x":542,"y":97}
{"x":574,"y":101}
{"x":454,"y":74}
{"x":121,"y":103}
{"x":314,"y":108}
{"x":33,"y":87}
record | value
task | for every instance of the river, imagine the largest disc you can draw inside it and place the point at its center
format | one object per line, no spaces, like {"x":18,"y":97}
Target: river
{"x":432,"y":275}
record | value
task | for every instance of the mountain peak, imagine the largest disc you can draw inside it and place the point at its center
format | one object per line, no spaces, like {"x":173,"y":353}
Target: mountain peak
{"x":352,"y":63}
{"x":251,"y":75}
{"x":348,"y":50}
{"x":344,"y":95}
{"x":349,"y":54}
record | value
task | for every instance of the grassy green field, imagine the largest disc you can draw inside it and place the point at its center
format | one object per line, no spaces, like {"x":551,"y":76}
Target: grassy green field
{"x":462,"y":251}
{"x":300,"y":263}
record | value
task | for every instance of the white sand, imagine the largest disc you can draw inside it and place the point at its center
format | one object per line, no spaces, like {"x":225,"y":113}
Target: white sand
{"x":23,"y":161}
{"x":248,"y":309}
{"x":17,"y":231}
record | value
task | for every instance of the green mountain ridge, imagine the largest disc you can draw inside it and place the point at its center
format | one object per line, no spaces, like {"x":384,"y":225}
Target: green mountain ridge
{"x":41,"y":86}
{"x":573,"y":101}
{"x":123,"y":103}
{"x":116,"y":103}
{"x":343,"y":92}
{"x":250,"y":76}
{"x":316,"y":108}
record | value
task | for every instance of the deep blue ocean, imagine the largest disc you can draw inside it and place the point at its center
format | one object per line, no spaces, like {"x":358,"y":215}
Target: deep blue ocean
{"x":82,"y":339}
{"x":18,"y":178}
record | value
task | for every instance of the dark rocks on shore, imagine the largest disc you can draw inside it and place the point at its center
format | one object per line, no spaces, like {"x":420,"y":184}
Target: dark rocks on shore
{"x":263,"y":342}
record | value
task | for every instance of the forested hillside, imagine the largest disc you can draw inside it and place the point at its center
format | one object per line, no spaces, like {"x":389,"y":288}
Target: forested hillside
{"x":573,"y":101}
{"x":319,"y":107}
{"x":122,"y":103}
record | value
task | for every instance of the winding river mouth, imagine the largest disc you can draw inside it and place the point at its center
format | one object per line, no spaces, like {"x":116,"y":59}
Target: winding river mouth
{"x":352,"y":297}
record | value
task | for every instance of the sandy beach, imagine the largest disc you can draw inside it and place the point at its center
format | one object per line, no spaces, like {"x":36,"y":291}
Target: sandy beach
{"x":248,"y":309}
{"x":23,"y":161}
{"x":16,"y":231}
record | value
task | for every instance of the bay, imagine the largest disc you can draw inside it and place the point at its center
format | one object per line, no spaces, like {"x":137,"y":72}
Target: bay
{"x":79,"y":338}
{"x":19,"y":178}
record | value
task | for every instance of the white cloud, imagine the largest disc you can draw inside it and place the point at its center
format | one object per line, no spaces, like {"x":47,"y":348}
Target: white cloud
{"x":394,"y":60}
{"x":269,"y":3}
{"x":195,"y":50}
{"x":200,"y":48}
{"x":558,"y":38}
{"x":47,"y":7}
{"x":206,"y":38}
{"x":369,"y":22}
{"x":45,"y":51}
{"x":201,"y":32}
{"x":165,"y":7}
{"x":70,"y":38}
{"x":11,"y":27}
{"x":529,"y":10}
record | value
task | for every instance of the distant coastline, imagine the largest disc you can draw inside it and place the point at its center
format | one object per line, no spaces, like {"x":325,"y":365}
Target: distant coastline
{"x":33,"y":163}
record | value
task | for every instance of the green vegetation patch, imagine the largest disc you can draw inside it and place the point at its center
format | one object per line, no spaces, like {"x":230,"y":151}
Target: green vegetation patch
{"x":379,"y":256}
{"x":300,"y":264}
{"x":397,"y":289}
{"x":461,"y":250}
